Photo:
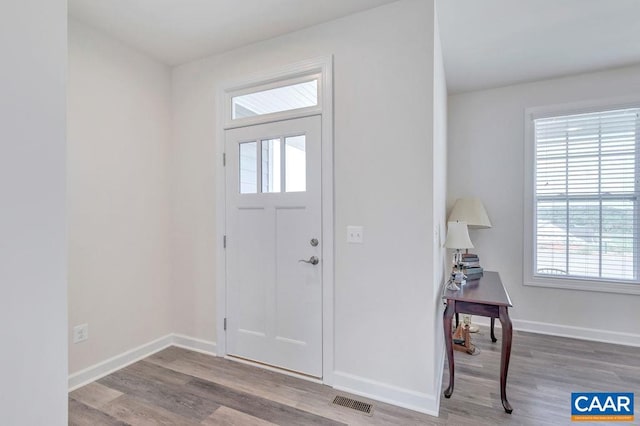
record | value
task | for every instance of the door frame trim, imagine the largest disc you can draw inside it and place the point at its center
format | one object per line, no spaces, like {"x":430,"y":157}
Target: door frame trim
{"x":324,"y":67}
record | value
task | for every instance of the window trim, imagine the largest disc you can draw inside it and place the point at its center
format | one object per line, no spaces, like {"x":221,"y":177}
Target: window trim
{"x":530,"y":277}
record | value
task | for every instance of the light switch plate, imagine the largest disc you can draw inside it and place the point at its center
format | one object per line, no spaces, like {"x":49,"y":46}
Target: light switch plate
{"x":355,"y":234}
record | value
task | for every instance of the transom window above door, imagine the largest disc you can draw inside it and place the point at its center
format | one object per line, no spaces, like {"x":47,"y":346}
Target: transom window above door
{"x":278,"y":100}
{"x":273,"y":165}
{"x":284,"y":98}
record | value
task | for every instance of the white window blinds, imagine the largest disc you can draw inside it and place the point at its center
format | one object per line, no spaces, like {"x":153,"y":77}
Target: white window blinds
{"x":586,"y":195}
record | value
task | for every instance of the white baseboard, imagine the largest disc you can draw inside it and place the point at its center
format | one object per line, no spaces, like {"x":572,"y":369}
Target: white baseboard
{"x":596,"y":335}
{"x":405,"y":398}
{"x":417,"y":401}
{"x":440,"y":372}
{"x":104,"y":368}
{"x":193,"y":344}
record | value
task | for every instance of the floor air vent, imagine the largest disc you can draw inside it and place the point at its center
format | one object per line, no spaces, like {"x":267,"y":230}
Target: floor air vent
{"x":353,"y":404}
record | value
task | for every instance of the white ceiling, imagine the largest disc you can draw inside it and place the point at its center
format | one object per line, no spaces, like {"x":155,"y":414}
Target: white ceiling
{"x":178,"y":31}
{"x":486,"y":43}
{"x":492,"y":43}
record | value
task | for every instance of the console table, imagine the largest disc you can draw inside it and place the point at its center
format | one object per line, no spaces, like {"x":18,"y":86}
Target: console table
{"x":487,"y":297}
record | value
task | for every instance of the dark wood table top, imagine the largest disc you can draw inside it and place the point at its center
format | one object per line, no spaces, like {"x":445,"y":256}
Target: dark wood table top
{"x":487,"y":289}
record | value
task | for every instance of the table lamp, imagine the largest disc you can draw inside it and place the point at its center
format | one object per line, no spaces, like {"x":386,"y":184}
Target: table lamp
{"x":471,"y":211}
{"x":457,"y":239}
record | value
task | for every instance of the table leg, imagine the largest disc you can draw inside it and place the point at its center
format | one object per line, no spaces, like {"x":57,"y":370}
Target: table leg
{"x":507,"y":331}
{"x":457,"y":319}
{"x":448,"y":340}
{"x":493,"y":336}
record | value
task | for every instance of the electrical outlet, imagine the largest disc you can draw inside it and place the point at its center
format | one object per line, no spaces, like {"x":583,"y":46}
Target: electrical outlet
{"x":355,"y":234}
{"x":80,"y":333}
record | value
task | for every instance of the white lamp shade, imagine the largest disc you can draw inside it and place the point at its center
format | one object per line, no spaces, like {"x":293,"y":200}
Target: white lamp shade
{"x":458,"y":236}
{"x":471,"y":211}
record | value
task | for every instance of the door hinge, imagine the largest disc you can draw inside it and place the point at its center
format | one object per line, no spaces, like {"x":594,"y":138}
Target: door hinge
{"x":225,"y":324}
{"x":224,"y":241}
{"x":224,"y":159}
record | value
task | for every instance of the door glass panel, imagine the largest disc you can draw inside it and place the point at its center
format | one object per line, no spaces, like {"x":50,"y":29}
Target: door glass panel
{"x":249,"y":168}
{"x":271,"y":165}
{"x":295,"y":164}
{"x":285,"y":98}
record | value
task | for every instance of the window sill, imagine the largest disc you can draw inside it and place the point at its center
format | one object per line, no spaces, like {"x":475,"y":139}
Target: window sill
{"x":584,"y":285}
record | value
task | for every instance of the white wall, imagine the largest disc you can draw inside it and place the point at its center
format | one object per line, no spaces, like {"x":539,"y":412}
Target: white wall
{"x":486,"y":159}
{"x":119,"y":129}
{"x":439,"y":199}
{"x":33,"y":256}
{"x":384,"y":289}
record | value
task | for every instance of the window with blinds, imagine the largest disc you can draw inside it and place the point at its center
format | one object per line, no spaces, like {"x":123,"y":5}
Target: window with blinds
{"x":586,"y":195}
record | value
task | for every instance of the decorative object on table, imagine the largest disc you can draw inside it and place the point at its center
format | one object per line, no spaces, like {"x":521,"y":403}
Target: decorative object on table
{"x":471,"y":265}
{"x":458,"y":239}
{"x":471,"y":211}
{"x":462,"y":340}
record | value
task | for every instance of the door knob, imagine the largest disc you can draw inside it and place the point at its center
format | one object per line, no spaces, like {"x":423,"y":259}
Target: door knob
{"x":312,"y":260}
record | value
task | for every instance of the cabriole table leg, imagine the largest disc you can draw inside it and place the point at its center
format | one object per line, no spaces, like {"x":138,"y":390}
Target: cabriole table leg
{"x":507,"y":331}
{"x":447,"y":320}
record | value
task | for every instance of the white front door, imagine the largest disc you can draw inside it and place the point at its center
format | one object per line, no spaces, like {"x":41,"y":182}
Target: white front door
{"x":273,"y":244}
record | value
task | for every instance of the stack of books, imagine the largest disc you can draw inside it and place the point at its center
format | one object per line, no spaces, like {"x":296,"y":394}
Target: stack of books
{"x":471,"y":266}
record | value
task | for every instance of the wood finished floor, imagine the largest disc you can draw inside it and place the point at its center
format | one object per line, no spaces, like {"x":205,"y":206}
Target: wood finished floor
{"x":180,"y":387}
